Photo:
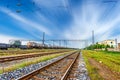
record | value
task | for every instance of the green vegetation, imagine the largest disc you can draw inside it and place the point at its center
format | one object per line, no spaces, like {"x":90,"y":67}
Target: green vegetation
{"x":98,"y":46}
{"x":110,"y":59}
{"x":31,"y":61}
{"x":94,"y":75}
{"x":92,"y":71}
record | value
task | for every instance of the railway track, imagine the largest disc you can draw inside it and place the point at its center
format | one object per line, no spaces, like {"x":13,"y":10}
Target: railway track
{"x":12,"y":58}
{"x":57,"y":70}
{"x":73,"y":71}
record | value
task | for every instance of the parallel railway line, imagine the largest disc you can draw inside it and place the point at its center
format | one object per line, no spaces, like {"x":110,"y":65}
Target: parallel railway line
{"x":57,"y":70}
{"x":12,"y":58}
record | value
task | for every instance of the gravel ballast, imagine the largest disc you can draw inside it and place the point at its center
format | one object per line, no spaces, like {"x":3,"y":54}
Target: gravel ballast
{"x":23,"y":71}
{"x":83,"y":73}
{"x":14,"y":75}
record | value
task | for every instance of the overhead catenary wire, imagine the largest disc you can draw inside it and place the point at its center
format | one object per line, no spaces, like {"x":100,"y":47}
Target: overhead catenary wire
{"x":20,"y":5}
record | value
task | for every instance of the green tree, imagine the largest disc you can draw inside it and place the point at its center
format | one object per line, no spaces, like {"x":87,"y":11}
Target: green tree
{"x":107,"y":46}
{"x":112,"y":46}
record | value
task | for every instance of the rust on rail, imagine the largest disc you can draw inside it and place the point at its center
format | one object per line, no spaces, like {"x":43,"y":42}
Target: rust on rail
{"x":71,"y":61}
{"x":12,"y":58}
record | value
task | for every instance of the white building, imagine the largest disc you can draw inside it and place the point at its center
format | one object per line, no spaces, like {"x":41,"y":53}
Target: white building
{"x":108,"y":42}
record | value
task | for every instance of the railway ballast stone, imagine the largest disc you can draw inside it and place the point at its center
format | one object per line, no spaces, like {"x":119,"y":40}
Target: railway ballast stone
{"x":83,"y":73}
{"x":22,"y":71}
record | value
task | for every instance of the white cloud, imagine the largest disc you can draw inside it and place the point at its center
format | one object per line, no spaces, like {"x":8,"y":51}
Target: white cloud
{"x":47,"y":3}
{"x":28,"y":24}
{"x":88,"y":19}
{"x":6,"y":38}
{"x":85,"y":19}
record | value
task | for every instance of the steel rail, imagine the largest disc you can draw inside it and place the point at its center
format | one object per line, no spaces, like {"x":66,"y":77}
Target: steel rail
{"x":35,"y":72}
{"x":12,"y":58}
{"x":69,"y":68}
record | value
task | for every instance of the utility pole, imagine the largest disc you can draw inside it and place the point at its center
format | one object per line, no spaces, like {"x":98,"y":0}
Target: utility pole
{"x":60,"y":43}
{"x":93,"y":37}
{"x":66,"y":43}
{"x":86,"y":44}
{"x":93,"y":40}
{"x":43,"y":39}
{"x":116,"y":43}
{"x":53,"y":43}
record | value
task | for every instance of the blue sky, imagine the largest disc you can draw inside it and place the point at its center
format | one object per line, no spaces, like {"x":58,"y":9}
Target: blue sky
{"x":59,"y":19}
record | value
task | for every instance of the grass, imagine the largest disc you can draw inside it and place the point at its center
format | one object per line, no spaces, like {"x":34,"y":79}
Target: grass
{"x":92,"y":70}
{"x":19,"y":52}
{"x":32,"y":61}
{"x":110,"y":59}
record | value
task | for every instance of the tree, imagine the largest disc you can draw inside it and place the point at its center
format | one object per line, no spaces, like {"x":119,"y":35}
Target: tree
{"x":112,"y":46}
{"x":106,"y":49}
{"x":107,"y":46}
{"x":98,"y":46}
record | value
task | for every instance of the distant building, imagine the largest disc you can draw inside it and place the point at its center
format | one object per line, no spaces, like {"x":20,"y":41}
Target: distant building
{"x":108,"y":42}
{"x":119,"y":46}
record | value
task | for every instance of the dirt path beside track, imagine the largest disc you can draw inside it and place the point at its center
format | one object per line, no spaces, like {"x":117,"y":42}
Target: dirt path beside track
{"x":104,"y":71}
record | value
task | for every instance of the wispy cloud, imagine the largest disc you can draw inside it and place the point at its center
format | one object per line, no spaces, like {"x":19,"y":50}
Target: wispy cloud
{"x":29,"y":24}
{"x":47,"y":3}
{"x":55,"y":13}
{"x":72,"y":22}
{"x":88,"y":19}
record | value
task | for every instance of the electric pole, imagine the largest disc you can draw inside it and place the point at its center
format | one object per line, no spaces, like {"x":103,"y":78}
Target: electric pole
{"x":43,"y":39}
{"x":116,"y":43}
{"x":92,"y":40}
{"x":86,"y":44}
{"x":66,"y":43}
{"x":60,"y":43}
{"x":93,"y":37}
{"x":53,"y":43}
